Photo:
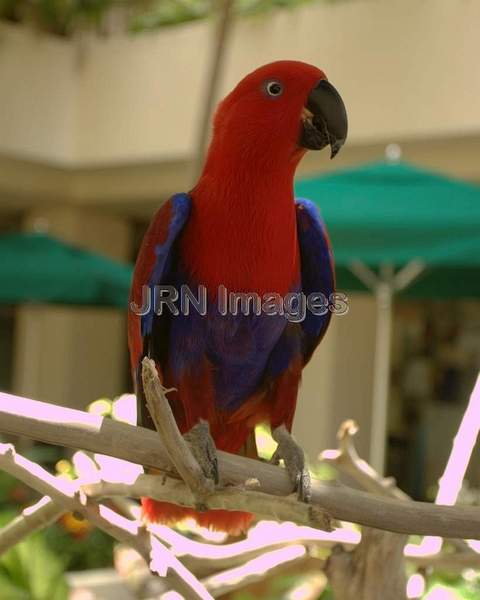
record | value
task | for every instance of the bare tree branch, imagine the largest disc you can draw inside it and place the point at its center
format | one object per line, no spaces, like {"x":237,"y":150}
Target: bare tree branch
{"x":451,"y":481}
{"x":68,"y":494}
{"x":266,"y":506}
{"x":77,"y":429}
{"x":347,"y":460}
{"x":447,"y":561}
{"x":177,"y":448}
{"x":255,"y":569}
{"x":374,"y":570}
{"x":310,"y":587}
{"x":34,"y":518}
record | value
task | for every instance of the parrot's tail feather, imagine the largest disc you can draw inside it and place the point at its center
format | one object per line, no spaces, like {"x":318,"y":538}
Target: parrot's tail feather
{"x":233,"y":522}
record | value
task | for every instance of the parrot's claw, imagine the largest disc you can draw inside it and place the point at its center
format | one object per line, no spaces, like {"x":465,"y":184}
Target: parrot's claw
{"x":204,"y":450}
{"x":294,"y":459}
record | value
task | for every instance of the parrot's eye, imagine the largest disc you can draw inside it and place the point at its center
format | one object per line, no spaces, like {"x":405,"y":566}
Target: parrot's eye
{"x":273,"y":88}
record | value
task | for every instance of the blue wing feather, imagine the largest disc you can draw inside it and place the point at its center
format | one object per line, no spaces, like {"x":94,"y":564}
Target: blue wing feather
{"x":317,"y":270}
{"x":181,"y":206}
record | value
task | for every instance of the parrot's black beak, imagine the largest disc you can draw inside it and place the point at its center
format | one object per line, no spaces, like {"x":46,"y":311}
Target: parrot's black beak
{"x":324,"y":119}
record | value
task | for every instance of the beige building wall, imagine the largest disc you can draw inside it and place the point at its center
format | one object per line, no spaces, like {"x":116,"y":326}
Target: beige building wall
{"x":38,"y":90}
{"x":406,"y":69}
{"x":73,"y":355}
{"x":337,"y":383}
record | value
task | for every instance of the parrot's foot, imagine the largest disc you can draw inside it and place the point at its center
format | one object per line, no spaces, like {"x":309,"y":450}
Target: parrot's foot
{"x":203,"y":449}
{"x":294,"y":459}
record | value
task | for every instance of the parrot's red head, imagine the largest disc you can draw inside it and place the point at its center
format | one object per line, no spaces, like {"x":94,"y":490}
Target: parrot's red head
{"x":279,"y":111}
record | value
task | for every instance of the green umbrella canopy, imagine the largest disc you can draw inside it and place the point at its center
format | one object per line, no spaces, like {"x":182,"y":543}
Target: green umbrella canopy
{"x":394,"y":213}
{"x":37,"y":268}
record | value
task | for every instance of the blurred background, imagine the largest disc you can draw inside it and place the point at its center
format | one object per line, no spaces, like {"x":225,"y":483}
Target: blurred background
{"x":103,"y":113}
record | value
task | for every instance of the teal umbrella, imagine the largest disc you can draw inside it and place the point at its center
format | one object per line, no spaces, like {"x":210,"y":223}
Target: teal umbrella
{"x":395,"y":213}
{"x":35,"y":267}
{"x":398,"y":229}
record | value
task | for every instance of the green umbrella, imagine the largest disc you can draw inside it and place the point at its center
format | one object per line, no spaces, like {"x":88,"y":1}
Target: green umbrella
{"x":37,"y":268}
{"x":395,"y":213}
{"x":395,"y":228}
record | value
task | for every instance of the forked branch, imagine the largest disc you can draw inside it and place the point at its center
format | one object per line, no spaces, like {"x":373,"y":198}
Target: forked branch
{"x":77,"y":429}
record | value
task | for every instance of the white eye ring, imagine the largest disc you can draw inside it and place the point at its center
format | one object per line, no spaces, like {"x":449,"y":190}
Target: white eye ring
{"x":274,"y":88}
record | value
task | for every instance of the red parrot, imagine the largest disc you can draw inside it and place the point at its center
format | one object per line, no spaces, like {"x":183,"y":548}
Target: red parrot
{"x":240,"y":227}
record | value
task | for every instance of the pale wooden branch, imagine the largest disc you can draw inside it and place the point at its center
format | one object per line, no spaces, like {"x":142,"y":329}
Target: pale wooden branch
{"x":240,"y":552}
{"x":347,"y":460}
{"x":185,"y":582}
{"x":447,"y":561}
{"x":374,"y":570}
{"x":68,"y":494}
{"x":218,"y":577}
{"x":256,"y":569}
{"x":310,"y":587}
{"x":464,"y":442}
{"x":266,"y":506}
{"x":450,"y":483}
{"x":77,"y":429}
{"x":177,"y":448}
{"x":204,"y":558}
{"x":32,"y":519}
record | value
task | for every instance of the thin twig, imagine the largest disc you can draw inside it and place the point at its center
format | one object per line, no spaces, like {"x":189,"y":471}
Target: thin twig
{"x":450,"y":483}
{"x":447,"y":561}
{"x":177,"y":448}
{"x":375,"y":568}
{"x":255,"y":569}
{"x":347,"y":460}
{"x":68,"y":494}
{"x":266,"y":506}
{"x":204,"y":558}
{"x":32,"y":519}
{"x":77,"y":429}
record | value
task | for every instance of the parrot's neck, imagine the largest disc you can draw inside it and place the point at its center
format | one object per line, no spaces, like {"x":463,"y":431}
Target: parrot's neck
{"x":242,"y":231}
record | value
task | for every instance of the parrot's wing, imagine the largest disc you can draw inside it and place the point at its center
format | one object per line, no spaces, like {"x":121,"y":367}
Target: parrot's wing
{"x":317,"y":271}
{"x":155,"y":263}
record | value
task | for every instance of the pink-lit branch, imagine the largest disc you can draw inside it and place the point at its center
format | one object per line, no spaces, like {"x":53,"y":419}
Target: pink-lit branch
{"x":255,"y":569}
{"x":76,"y":429}
{"x":362,"y":572}
{"x":67,"y":494}
{"x":33,"y":518}
{"x":265,"y":506}
{"x":173,"y":555}
{"x":347,"y":460}
{"x":451,"y":481}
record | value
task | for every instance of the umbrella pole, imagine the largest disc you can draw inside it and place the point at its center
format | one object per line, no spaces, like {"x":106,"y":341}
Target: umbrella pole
{"x":381,"y":373}
{"x":388,"y":284}
{"x":384,"y":285}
